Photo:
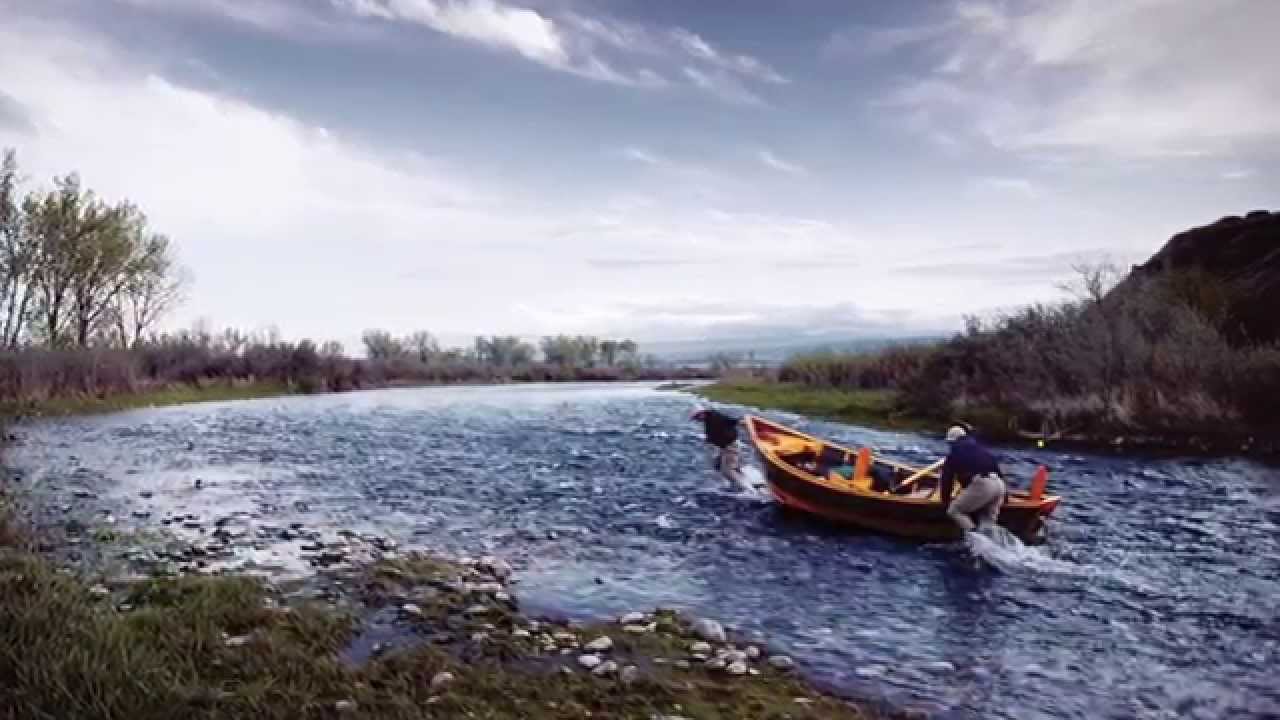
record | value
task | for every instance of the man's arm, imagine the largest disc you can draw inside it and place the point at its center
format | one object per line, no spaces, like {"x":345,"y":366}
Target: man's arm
{"x":947,"y":481}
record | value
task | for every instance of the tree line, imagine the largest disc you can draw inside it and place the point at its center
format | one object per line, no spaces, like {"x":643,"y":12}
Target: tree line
{"x":572,"y":351}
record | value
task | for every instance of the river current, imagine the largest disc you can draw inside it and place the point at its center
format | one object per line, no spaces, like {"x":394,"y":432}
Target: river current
{"x":1157,"y":595}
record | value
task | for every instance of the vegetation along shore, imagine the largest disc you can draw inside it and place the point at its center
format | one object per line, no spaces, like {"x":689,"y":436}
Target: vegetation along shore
{"x":1179,"y":354}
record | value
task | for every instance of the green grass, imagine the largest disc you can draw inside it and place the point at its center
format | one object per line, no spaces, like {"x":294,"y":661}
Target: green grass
{"x":227,"y":647}
{"x":158,"y":397}
{"x":859,"y":407}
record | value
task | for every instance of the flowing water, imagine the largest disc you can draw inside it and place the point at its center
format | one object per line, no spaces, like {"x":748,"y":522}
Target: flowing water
{"x":1157,"y":596}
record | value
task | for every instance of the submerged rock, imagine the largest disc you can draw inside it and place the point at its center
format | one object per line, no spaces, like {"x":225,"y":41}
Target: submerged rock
{"x":782,"y":662}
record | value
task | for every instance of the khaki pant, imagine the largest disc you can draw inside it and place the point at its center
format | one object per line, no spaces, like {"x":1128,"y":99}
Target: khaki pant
{"x":983,"y":497}
{"x":727,"y":461}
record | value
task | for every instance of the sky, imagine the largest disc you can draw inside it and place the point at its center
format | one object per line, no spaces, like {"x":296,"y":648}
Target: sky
{"x":659,"y":169}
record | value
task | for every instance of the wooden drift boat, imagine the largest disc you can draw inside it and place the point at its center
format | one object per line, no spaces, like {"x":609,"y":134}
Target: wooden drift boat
{"x":859,"y":489}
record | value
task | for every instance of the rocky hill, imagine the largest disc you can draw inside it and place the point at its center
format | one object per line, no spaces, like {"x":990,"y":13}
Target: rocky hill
{"x":1242,"y":253}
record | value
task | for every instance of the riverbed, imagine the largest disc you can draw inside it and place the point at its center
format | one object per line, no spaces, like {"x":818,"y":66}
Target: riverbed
{"x":1158,"y":594}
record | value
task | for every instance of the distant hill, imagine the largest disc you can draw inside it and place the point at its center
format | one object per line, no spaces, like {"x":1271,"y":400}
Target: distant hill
{"x":1242,"y":254}
{"x":772,"y":350}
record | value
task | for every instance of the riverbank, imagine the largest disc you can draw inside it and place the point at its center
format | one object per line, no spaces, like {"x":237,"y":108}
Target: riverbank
{"x":881,"y":409}
{"x":389,"y":638}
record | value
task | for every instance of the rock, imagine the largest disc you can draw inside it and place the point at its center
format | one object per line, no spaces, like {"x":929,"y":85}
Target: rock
{"x":484,"y":588}
{"x":629,"y":675}
{"x":781,"y":662}
{"x":495,"y":566}
{"x":237,"y":641}
{"x":146,"y":494}
{"x":700,"y":657}
{"x":709,"y":630}
{"x":99,"y":591}
{"x":589,"y":662}
{"x":476,"y":610}
{"x":634,"y":618}
{"x":502,"y":597}
{"x":301,"y":506}
{"x":565,"y":638}
{"x":752,"y":671}
{"x":411,"y":609}
{"x":636,"y":629}
{"x":734,"y":656}
{"x":716,"y":664}
{"x":345,"y":706}
{"x":520,"y":633}
{"x":607,"y":667}
{"x":84,"y":495}
{"x":441,"y":681}
{"x":700,"y":648}
{"x":939,"y":666}
{"x":479,"y":637}
{"x":737,"y":667}
{"x":753,"y":653}
{"x":683,"y":664}
{"x":601,"y":644}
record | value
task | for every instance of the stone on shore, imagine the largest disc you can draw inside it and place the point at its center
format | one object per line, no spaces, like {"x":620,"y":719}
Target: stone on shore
{"x":709,"y":630}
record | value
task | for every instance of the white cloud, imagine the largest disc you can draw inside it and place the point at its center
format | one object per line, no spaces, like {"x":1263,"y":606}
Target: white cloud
{"x":723,"y":85}
{"x":1014,"y":185}
{"x":745,"y":65}
{"x":642,"y":155}
{"x":1238,"y":174}
{"x":1147,"y":77}
{"x":767,"y":157}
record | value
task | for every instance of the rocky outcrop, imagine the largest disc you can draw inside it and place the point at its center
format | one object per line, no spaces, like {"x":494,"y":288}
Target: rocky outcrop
{"x":1243,"y":253}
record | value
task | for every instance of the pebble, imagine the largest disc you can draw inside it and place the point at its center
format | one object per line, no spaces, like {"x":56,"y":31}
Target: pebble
{"x":700,"y":648}
{"x":716,"y":664}
{"x":411,"y":609}
{"x":498,"y":567}
{"x":237,"y":641}
{"x":441,"y":681}
{"x":520,"y":633}
{"x":608,"y":667}
{"x":633,"y":618}
{"x":476,"y":610}
{"x":709,"y":630}
{"x":683,"y":664}
{"x":735,"y":656}
{"x":629,"y":675}
{"x":737,"y":667}
{"x":345,"y":706}
{"x":636,"y":629}
{"x":502,"y":597}
{"x":753,"y":653}
{"x":479,"y":637}
{"x":589,"y":661}
{"x":99,"y":591}
{"x":939,"y":666}
{"x":781,"y":662}
{"x":600,"y":644}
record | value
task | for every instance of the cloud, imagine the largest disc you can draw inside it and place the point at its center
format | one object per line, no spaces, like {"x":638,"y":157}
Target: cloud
{"x":599,"y":48}
{"x":723,"y":85}
{"x":1238,"y":174}
{"x":1144,"y":78}
{"x":642,"y":156}
{"x":1013,"y":185}
{"x":767,"y":157}
{"x":13,"y":116}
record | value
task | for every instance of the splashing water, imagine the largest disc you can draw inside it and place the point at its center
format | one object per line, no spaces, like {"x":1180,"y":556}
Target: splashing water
{"x":1003,"y":551}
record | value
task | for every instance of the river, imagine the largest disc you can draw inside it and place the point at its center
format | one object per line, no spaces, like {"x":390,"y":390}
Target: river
{"x":1158,"y":594}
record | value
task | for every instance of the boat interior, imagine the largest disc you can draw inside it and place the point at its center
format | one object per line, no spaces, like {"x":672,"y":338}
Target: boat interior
{"x":846,"y":468}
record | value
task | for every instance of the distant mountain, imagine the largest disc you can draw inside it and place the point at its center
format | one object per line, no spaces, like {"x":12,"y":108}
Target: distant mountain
{"x":771,"y":349}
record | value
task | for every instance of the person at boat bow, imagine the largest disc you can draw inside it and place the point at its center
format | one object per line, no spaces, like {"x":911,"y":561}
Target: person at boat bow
{"x":721,"y":431}
{"x":981,"y":481}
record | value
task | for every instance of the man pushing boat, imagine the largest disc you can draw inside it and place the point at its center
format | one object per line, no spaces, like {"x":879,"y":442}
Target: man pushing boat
{"x":721,"y":432}
{"x":979,"y":476}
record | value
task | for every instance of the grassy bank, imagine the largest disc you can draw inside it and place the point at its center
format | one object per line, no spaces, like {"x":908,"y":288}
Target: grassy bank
{"x":234,"y":647}
{"x":178,"y":394}
{"x":874,"y":408}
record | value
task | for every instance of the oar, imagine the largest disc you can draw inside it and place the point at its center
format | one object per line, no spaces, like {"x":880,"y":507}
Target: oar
{"x":919,"y":474}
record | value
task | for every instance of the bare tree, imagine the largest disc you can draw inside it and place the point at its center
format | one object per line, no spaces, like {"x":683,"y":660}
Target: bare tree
{"x":17,"y":255}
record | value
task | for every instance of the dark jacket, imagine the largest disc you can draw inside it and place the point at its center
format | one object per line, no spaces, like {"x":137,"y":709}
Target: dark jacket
{"x":966,"y":459}
{"x":721,"y":430}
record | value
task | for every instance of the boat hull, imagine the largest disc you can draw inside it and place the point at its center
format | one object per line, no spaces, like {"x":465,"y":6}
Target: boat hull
{"x":921,"y":518}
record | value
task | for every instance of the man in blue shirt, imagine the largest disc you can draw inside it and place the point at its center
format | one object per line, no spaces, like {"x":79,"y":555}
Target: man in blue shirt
{"x":978,"y":474}
{"x":721,"y":432}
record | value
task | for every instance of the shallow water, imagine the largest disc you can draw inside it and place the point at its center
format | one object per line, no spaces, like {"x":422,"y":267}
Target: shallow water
{"x":1157,"y":596}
